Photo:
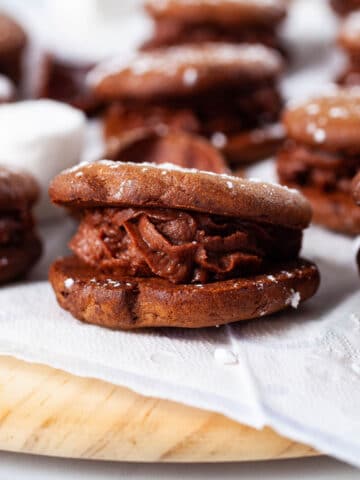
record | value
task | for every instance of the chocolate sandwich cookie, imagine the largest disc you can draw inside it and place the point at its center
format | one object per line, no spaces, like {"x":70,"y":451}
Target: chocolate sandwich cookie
{"x":179,"y":22}
{"x":227,"y":93}
{"x":12,"y":45}
{"x":166,"y":246}
{"x":322,"y":155}
{"x":344,"y":7}
{"x":158,"y":146}
{"x":349,"y":41}
{"x":20,"y":246}
{"x":65,"y":81}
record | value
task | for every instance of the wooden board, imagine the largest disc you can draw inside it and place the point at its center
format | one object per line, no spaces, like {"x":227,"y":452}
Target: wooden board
{"x":49,"y":412}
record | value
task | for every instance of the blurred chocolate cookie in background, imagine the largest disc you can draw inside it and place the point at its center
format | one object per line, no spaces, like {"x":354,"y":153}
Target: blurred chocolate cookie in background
{"x":13,"y":40}
{"x":20,"y":246}
{"x":227,"y":93}
{"x":179,"y":22}
{"x":322,"y":156}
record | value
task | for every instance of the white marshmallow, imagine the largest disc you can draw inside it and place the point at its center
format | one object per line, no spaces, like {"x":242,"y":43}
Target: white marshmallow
{"x":88,"y":31}
{"x":42,"y":137}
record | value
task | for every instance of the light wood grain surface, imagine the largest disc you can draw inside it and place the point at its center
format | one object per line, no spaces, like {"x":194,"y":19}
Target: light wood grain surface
{"x":49,"y":412}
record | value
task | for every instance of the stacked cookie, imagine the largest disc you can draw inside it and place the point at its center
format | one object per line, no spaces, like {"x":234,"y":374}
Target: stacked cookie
{"x":208,"y":70}
{"x":235,"y":21}
{"x":20,"y":246}
{"x":321,"y":156}
{"x":227,"y":93}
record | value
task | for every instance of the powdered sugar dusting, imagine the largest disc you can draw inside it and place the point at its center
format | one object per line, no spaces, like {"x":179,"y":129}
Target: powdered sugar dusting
{"x":319,"y":135}
{"x":113,"y":283}
{"x":125,"y":186}
{"x":293,"y":191}
{"x":219,"y":140}
{"x":325,"y":114}
{"x":294,"y":299}
{"x":312,"y":109}
{"x":272,"y":190}
{"x":338,"y":112}
{"x":68,"y":283}
{"x":76,"y":168}
{"x":190,"y":76}
{"x":188,"y":61}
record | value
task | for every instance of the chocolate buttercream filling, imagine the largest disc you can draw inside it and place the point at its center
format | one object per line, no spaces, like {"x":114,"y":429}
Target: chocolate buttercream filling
{"x":121,"y":118}
{"x":180,"y":246}
{"x":229,"y":112}
{"x":171,"y":32}
{"x":310,"y":167}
